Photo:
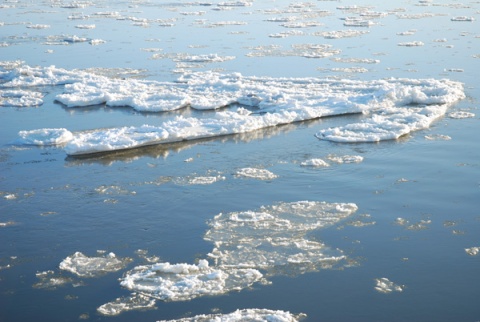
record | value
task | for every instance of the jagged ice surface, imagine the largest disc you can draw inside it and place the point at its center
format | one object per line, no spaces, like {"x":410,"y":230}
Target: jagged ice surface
{"x":395,"y":106}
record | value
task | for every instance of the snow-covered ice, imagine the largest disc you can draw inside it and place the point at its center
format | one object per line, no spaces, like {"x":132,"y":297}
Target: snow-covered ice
{"x":396,"y":106}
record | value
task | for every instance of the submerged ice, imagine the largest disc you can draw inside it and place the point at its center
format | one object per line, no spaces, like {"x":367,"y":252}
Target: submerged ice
{"x":249,"y":247}
{"x":274,"y":238}
{"x":394,"y":107}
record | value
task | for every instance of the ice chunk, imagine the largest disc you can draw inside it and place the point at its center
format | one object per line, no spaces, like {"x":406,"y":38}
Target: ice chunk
{"x":20,"y":98}
{"x":472,"y":251}
{"x":384,"y":285}
{"x":181,"y":282}
{"x":345,"y":158}
{"x":461,"y":115}
{"x":44,"y":137}
{"x":255,"y":173}
{"x":85,"y":266}
{"x":245,"y":315}
{"x":51,"y":280}
{"x":411,"y":114}
{"x":316,"y":163}
{"x":135,"y":301}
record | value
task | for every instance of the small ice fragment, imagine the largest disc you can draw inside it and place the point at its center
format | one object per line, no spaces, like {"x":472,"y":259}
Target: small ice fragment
{"x":345,"y":158}
{"x":316,"y":163}
{"x":472,"y":251}
{"x":463,"y":18}
{"x":461,"y":115}
{"x":255,"y":173}
{"x":411,"y":44}
{"x":136,"y":301}
{"x":384,"y":285}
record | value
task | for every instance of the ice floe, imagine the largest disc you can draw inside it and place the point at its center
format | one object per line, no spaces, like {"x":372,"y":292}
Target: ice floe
{"x":316,"y":163}
{"x":249,"y":246}
{"x":136,"y":301}
{"x":51,"y":280}
{"x":337,"y":34}
{"x":181,"y":282}
{"x":245,"y":315}
{"x":255,"y":173}
{"x":274,"y":238}
{"x":384,"y":285}
{"x":396,"y":105}
{"x":472,"y":251}
{"x":411,"y":44}
{"x":85,"y":266}
{"x":345,"y":158}
{"x":461,"y":115}
{"x":420,"y":109}
{"x":20,"y":98}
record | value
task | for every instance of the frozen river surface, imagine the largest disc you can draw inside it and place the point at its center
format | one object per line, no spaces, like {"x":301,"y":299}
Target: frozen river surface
{"x":239,"y":161}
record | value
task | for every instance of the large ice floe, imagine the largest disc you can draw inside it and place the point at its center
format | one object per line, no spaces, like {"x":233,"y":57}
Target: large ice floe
{"x":394,"y":107}
{"x":249,"y":247}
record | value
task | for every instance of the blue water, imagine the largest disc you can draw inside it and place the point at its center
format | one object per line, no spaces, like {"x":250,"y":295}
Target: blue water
{"x":57,"y":210}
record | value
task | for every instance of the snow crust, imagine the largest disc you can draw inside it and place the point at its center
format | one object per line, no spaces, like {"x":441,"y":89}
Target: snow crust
{"x":395,"y":106}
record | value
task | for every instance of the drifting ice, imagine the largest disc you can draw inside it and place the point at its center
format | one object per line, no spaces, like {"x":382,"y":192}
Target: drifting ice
{"x":395,"y":106}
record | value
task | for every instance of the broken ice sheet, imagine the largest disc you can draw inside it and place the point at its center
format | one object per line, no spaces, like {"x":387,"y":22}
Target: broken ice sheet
{"x":84,"y":266}
{"x":273,"y":238}
{"x":246,"y":244}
